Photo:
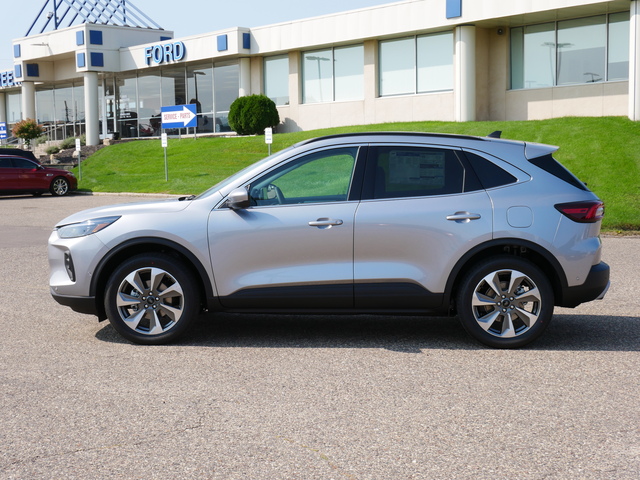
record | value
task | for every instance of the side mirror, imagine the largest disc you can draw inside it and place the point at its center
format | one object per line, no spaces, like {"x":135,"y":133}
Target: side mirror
{"x":238,"y":199}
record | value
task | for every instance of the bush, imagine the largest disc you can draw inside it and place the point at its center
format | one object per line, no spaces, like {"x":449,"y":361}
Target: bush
{"x":27,"y":130}
{"x":68,"y":143}
{"x":52,"y":150}
{"x":251,"y":115}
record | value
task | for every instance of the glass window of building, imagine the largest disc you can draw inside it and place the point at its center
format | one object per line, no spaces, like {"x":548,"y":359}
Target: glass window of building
{"x":46,"y":112}
{"x":571,"y":52}
{"x":416,"y":65}
{"x":149,"y":103}
{"x":79,"y":111}
{"x":348,"y":64}
{"x":107,"y":106}
{"x":333,"y":75}
{"x":317,"y":76}
{"x":397,"y":67}
{"x":226,"y":83}
{"x":13,"y":107}
{"x":126,"y":101}
{"x":581,"y":50}
{"x":276,"y":79}
{"x":200,"y":93}
{"x":174,"y":88}
{"x":435,"y":62}
{"x":533,"y":56}
{"x":618,"y":47}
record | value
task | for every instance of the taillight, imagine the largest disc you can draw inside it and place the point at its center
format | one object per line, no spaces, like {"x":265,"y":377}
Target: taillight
{"x":583,"y":212}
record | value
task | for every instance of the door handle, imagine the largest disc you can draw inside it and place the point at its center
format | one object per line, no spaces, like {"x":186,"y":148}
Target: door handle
{"x":463,"y":217}
{"x":325,"y":223}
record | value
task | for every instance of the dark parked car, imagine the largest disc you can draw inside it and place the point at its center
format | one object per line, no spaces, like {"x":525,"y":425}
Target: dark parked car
{"x":21,"y":175}
{"x":18,"y":152}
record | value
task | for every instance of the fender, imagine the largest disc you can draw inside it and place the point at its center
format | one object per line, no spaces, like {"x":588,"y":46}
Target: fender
{"x":103,"y":266}
{"x":559,"y":281}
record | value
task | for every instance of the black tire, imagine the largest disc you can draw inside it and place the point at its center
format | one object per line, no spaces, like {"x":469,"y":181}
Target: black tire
{"x":515,"y":315}
{"x":152,"y":299}
{"x":59,"y":187}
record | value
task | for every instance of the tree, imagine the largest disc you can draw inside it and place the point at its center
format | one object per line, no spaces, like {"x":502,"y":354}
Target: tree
{"x":251,"y":115}
{"x":27,"y":129}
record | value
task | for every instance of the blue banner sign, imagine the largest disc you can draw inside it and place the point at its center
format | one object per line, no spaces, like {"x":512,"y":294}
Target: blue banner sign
{"x":179,"y":116}
{"x":3,"y":130}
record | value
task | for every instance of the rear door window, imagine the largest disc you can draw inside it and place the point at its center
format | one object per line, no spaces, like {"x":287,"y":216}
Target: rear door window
{"x":409,"y":171}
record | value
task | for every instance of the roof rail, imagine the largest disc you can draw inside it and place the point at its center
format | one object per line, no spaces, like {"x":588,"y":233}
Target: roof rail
{"x":386,"y":134}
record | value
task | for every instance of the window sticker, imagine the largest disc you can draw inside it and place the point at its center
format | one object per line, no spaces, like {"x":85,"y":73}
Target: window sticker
{"x":417,"y":168}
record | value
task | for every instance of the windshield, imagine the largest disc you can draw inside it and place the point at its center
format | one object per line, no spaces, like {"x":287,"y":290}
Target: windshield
{"x":237,"y":175}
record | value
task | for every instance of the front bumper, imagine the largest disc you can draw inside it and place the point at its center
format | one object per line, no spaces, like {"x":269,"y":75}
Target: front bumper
{"x":86,"y":305}
{"x":594,"y":288}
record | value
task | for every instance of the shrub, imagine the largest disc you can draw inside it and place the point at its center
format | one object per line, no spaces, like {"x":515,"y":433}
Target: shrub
{"x":27,"y":129}
{"x":52,"y":150}
{"x":68,"y":143}
{"x":251,"y":115}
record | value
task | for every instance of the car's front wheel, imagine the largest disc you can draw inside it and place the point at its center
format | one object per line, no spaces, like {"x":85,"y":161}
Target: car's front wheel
{"x":152,"y":299}
{"x":59,"y":187}
{"x":505,"y":302}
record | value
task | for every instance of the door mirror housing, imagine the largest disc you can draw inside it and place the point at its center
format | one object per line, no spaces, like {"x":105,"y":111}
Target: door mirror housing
{"x":238,"y":199}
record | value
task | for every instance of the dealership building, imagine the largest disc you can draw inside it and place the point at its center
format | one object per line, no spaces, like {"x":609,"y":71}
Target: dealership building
{"x":104,"y":69}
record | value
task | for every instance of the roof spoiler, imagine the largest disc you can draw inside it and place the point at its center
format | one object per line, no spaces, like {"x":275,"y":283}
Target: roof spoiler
{"x":495,"y":134}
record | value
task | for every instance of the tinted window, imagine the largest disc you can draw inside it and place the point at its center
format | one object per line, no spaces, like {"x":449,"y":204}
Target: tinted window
{"x":5,"y":163}
{"x":319,"y":177}
{"x":400,"y":171}
{"x":23,"y":163}
{"x":489,"y":174}
{"x":552,"y":166}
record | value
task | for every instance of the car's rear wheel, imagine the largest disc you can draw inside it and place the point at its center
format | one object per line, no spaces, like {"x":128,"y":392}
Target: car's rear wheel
{"x":152,"y":299}
{"x":59,"y":187}
{"x":505,"y":302}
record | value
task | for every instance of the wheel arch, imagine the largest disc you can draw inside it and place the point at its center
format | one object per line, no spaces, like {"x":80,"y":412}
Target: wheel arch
{"x":509,"y":246}
{"x":137,"y":246}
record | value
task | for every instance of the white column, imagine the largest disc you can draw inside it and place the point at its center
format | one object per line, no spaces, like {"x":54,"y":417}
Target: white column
{"x":634,"y":61}
{"x":465,"y":73}
{"x":92,"y":121}
{"x":245,"y":77}
{"x":28,"y":100}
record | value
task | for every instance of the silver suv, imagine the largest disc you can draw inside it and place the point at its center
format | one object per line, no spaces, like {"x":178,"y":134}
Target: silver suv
{"x":495,"y":231}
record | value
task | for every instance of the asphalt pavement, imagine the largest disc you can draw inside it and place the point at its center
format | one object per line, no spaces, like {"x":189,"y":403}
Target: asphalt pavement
{"x":293,"y":397}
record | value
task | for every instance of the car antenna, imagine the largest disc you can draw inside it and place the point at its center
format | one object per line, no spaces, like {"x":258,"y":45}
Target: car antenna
{"x":495,"y":134}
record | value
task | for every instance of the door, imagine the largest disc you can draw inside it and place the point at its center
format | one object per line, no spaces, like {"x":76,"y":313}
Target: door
{"x":293,"y":247}
{"x":422,"y":209}
{"x":9,"y":178}
{"x":31,"y":176}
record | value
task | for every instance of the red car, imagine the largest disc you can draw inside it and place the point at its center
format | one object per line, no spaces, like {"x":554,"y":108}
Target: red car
{"x":21,"y":175}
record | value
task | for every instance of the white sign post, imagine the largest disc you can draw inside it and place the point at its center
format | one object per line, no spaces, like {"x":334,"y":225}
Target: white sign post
{"x":78,"y":148}
{"x":268,"y":137}
{"x":163,"y":139}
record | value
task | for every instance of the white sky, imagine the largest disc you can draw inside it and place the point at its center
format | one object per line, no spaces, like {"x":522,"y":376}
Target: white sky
{"x":184,"y":17}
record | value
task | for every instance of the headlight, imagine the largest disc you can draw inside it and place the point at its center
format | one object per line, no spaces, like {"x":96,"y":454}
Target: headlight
{"x":85,"y":228}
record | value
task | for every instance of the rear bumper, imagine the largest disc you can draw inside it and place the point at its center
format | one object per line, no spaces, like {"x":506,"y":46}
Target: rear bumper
{"x":594,"y":288}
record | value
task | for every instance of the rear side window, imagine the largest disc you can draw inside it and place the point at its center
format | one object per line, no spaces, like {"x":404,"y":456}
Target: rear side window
{"x":555,"y":168}
{"x":401,"y":171}
{"x":489,"y":174}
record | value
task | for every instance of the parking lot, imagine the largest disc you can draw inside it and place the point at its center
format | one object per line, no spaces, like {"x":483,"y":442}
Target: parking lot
{"x":289,"y":397}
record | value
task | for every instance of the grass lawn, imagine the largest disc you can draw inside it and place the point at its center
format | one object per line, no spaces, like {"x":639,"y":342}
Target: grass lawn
{"x":603,"y":152}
